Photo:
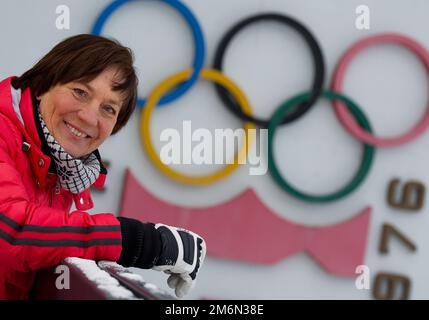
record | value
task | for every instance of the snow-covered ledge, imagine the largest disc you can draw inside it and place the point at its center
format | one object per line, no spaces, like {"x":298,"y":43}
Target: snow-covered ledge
{"x":81,"y":279}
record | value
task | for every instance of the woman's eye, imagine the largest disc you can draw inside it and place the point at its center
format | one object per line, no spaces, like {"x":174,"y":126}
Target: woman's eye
{"x":110,"y":110}
{"x":79,"y":92}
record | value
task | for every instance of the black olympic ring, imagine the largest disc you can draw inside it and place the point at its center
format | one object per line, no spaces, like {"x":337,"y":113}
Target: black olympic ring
{"x":316,"y":52}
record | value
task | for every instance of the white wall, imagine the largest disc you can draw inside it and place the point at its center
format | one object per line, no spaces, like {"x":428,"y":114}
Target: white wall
{"x":270,"y":63}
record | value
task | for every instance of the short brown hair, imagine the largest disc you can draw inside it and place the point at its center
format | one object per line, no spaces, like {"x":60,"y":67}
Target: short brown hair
{"x":82,"y":58}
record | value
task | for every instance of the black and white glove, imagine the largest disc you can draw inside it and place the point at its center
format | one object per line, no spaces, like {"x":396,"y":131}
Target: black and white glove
{"x":175,"y":251}
{"x":182,"y":255}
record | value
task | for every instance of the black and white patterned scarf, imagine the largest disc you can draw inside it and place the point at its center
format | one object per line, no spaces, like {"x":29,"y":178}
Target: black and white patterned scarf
{"x":75,"y":174}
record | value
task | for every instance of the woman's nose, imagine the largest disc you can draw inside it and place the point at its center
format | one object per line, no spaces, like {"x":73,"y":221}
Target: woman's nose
{"x":88,"y":115}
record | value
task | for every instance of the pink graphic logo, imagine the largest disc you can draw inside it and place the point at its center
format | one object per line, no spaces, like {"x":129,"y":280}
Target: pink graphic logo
{"x":263,"y":236}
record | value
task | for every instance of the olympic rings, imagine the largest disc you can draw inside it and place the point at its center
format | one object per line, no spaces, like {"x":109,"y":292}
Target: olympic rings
{"x":367,"y":158}
{"x":197,"y":33}
{"x":153,"y":98}
{"x":318,"y":64}
{"x":341,"y":112}
{"x":349,"y":114}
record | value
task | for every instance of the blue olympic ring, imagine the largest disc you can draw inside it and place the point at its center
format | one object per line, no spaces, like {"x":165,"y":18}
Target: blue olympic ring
{"x":198,"y":39}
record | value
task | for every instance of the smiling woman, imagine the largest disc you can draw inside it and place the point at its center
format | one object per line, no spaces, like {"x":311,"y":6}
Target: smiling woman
{"x":53,"y":118}
{"x":81,"y":116}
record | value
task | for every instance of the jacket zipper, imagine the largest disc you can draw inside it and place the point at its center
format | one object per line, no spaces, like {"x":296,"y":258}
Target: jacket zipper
{"x":58,"y":187}
{"x":55,"y":191}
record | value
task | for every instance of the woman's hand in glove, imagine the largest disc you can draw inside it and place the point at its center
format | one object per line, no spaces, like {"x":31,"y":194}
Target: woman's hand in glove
{"x":182,"y":254}
{"x":175,"y":251}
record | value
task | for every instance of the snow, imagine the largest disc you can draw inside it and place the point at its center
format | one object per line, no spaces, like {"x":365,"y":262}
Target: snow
{"x":127,"y":273}
{"x":131,"y":276}
{"x":101,"y":278}
{"x":151,"y":286}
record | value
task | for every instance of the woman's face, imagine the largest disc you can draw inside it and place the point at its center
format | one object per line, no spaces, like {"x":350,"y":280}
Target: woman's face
{"x":81,"y":116}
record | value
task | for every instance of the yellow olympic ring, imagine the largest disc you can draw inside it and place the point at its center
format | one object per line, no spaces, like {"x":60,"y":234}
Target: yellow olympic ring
{"x":154,"y":97}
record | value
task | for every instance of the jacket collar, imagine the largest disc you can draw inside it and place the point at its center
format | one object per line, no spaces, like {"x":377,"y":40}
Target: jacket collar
{"x":30,"y":139}
{"x":32,"y":143}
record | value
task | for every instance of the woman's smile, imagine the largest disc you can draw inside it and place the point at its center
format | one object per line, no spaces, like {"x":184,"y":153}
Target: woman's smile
{"x":76,"y":132}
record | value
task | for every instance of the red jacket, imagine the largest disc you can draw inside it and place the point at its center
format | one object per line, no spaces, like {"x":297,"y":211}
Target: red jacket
{"x":37,"y":229}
